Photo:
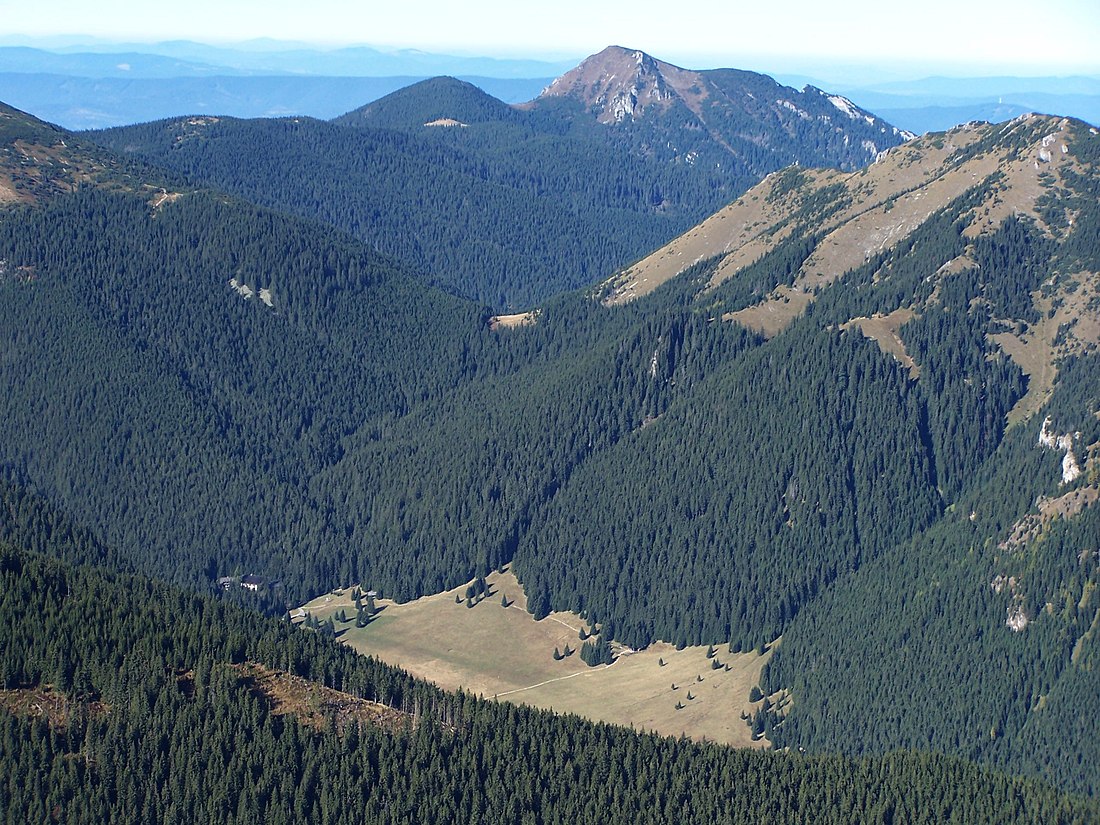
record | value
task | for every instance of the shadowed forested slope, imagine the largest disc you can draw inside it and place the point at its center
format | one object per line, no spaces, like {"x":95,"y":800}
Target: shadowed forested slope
{"x":989,"y":619}
{"x":154,"y":716}
{"x":513,"y":205}
{"x":538,"y":215}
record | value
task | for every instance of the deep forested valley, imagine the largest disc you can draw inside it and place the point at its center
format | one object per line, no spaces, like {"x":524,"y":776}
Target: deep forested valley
{"x":193,"y":387}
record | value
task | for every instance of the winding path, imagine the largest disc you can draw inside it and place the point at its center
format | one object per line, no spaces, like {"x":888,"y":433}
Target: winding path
{"x":551,"y":681}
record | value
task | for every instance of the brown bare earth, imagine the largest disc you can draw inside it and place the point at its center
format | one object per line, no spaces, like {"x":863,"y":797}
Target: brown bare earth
{"x":44,"y":702}
{"x":504,"y":653}
{"x":313,"y":704}
{"x":747,"y":228}
{"x":739,"y":231}
{"x":883,"y":330}
{"x":638,"y":691}
{"x":519,"y":319}
{"x":883,"y":204}
{"x":1066,"y":506}
{"x":163,"y":196}
{"x":774,"y":315}
{"x":1070,"y":324}
{"x":7,"y":192}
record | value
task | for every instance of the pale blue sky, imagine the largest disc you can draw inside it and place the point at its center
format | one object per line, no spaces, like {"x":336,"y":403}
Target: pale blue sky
{"x":950,"y":36}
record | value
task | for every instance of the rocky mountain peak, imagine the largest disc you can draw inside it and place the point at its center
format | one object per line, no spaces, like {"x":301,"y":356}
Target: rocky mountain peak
{"x":619,"y":84}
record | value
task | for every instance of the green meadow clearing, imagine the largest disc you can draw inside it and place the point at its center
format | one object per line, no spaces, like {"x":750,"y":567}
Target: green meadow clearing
{"x":502,"y":652}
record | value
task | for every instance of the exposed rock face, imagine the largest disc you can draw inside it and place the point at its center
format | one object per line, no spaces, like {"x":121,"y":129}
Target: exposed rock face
{"x":1017,"y":618}
{"x":1071,"y":470}
{"x":619,"y":84}
{"x":625,"y":85}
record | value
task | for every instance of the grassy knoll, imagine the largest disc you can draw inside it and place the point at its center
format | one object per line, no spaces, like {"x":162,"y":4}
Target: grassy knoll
{"x":503,"y":652}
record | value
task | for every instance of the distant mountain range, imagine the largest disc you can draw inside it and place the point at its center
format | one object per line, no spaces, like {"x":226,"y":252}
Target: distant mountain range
{"x":81,"y":83}
{"x":262,"y":57}
{"x":96,"y":85}
{"x":513,"y":204}
{"x":933,"y":104}
{"x":96,"y":103}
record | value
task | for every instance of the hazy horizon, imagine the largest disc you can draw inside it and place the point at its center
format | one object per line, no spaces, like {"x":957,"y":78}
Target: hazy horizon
{"x":984,"y":38}
{"x":835,"y":70}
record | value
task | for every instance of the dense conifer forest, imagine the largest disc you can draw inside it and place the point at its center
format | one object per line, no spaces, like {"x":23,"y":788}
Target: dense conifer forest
{"x":194,"y":387}
{"x":1024,"y":701}
{"x":155,"y":721}
{"x":335,"y":444}
{"x":512,"y":206}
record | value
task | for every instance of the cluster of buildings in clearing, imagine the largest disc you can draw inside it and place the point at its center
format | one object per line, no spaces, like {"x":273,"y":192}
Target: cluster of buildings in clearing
{"x":249,"y":582}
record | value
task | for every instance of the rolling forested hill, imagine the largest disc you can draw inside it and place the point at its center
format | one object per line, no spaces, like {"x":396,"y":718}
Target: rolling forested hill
{"x":511,"y":205}
{"x":124,"y":700}
{"x":866,"y":423}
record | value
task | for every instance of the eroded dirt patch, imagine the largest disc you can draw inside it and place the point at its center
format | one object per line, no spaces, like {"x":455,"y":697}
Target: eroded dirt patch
{"x":518,"y":319}
{"x":313,"y":704}
{"x":773,"y":315}
{"x":1066,"y":506}
{"x":883,"y":330}
{"x":44,"y":702}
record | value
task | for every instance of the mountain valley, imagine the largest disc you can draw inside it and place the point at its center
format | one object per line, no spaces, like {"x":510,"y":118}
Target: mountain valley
{"x":585,"y":192}
{"x":685,"y":371}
